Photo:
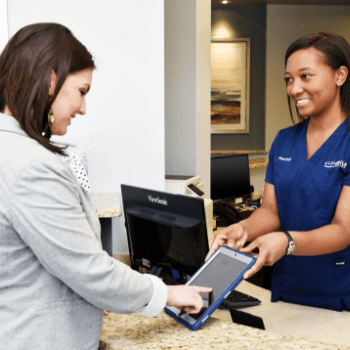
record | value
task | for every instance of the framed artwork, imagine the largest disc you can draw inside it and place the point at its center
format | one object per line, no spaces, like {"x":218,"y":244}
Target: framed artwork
{"x":230,"y":65}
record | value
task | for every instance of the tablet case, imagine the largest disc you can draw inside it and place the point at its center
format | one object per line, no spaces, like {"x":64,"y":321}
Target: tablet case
{"x":219,"y":300}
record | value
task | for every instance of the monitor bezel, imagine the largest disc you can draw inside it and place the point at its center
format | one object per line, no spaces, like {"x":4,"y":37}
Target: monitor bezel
{"x":245,"y":194}
{"x":184,"y":205}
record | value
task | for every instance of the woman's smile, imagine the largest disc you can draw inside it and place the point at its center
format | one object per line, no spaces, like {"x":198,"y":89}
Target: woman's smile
{"x":302,"y":102}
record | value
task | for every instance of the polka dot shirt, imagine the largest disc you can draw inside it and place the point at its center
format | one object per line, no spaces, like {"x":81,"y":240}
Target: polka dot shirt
{"x":76,"y":163}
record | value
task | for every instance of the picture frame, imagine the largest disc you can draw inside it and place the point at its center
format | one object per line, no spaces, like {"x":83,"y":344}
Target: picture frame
{"x":230,"y":85}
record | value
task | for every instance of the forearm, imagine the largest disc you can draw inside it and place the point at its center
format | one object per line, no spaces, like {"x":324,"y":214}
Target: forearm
{"x":262,"y":221}
{"x":324,"y":240}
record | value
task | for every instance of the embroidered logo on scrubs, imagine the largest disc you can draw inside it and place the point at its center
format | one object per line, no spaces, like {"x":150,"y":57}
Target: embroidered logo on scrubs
{"x":285,"y":159}
{"x":338,"y":164}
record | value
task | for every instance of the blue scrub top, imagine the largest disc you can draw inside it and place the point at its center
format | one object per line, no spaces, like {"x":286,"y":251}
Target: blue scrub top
{"x":307,"y":193}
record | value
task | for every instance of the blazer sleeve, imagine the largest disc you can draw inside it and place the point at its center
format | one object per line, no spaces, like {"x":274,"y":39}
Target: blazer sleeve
{"x":47,"y":213}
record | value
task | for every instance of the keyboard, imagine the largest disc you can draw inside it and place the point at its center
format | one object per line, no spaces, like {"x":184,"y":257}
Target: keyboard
{"x":238,"y":299}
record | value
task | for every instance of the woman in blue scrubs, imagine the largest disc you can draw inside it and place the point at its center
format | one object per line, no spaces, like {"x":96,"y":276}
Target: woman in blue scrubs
{"x":303,"y":224}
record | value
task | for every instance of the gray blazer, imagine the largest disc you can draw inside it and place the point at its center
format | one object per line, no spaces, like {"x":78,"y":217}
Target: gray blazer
{"x":55,"y":279}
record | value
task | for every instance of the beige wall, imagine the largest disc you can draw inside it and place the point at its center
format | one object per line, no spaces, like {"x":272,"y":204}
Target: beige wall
{"x":286,"y":23}
{"x":187,"y":89}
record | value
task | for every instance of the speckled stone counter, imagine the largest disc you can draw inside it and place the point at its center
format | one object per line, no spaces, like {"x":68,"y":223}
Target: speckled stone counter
{"x":126,"y":332}
{"x":106,"y":204}
{"x":284,"y":322}
{"x":240,"y":152}
{"x":259,"y":163}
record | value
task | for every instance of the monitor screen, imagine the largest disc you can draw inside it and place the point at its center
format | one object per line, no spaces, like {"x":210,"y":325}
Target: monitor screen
{"x":229,"y":176}
{"x":165,"y":229}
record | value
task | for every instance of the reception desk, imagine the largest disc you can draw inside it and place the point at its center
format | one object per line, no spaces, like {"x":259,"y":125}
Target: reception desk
{"x":288,"y":326}
{"x":126,"y":332}
{"x":107,"y":207}
{"x":296,"y":320}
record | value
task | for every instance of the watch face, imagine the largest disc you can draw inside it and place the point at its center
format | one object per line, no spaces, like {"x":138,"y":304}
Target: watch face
{"x":291,"y":248}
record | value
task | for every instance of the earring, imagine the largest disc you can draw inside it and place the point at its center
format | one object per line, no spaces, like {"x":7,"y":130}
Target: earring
{"x":50,"y":120}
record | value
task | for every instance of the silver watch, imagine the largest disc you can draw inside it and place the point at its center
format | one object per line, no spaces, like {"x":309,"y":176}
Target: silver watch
{"x":291,"y":245}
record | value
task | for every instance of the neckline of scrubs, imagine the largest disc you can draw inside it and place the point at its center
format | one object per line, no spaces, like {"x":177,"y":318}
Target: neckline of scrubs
{"x":343,"y":127}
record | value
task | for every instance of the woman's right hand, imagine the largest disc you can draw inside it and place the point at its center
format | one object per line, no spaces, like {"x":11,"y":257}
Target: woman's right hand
{"x":233,"y":236}
{"x":186,"y":298}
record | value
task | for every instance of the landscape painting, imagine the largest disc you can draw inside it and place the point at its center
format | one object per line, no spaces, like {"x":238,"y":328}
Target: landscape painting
{"x":230,"y":86}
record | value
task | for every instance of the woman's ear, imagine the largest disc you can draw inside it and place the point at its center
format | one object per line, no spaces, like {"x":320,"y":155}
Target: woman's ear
{"x":53,"y":83}
{"x":342,"y":74}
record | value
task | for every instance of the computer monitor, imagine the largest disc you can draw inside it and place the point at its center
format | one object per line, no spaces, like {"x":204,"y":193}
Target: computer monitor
{"x":230,"y":177}
{"x":165,"y":231}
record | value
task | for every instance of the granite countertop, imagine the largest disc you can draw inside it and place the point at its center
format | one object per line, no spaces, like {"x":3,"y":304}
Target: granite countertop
{"x":106,"y":204}
{"x":290,"y":327}
{"x":240,"y":152}
{"x":258,"y":163}
{"x":126,"y":332}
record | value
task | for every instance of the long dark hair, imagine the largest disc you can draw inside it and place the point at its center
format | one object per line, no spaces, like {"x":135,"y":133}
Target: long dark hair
{"x":337,"y":53}
{"x":25,"y":69}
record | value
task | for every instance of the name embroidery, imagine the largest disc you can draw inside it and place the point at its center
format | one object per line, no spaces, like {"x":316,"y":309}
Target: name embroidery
{"x":338,"y":164}
{"x":285,"y":159}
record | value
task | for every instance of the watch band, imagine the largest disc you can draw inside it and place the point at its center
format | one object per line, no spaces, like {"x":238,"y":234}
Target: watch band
{"x":291,"y":245}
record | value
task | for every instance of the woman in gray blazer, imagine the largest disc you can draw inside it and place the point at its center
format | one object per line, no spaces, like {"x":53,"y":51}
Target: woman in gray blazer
{"x":55,"y":279}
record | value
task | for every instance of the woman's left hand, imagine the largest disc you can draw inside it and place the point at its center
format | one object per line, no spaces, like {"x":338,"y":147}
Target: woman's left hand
{"x":272,"y":247}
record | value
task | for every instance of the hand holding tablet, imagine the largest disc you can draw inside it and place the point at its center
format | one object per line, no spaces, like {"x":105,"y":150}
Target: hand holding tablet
{"x":222,"y":272}
{"x":233,"y":236}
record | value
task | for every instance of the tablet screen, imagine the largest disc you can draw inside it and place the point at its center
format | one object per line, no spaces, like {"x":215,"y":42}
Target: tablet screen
{"x":220,"y":273}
